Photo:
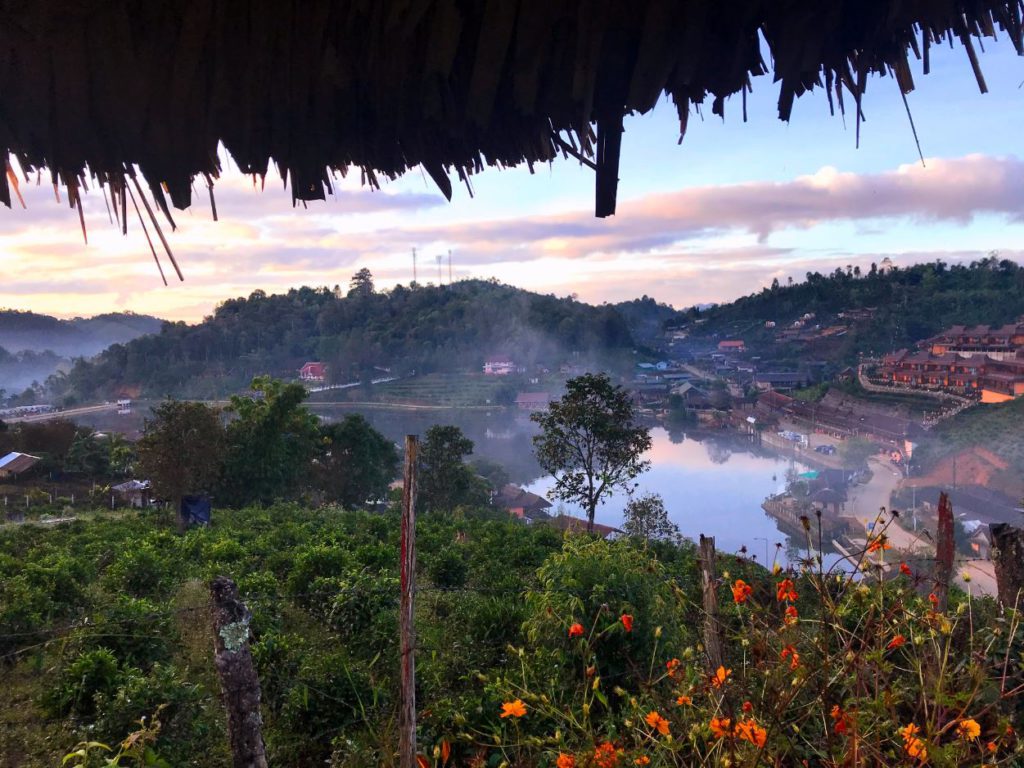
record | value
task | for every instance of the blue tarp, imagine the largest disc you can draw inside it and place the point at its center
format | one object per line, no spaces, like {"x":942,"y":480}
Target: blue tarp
{"x":196,"y":509}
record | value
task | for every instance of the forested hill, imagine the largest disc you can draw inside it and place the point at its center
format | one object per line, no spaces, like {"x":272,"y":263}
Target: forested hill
{"x":908,"y":304}
{"x":34,"y":346}
{"x":79,"y":337}
{"x":422,"y":329}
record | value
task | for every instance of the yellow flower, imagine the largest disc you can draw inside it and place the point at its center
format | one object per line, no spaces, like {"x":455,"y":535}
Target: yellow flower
{"x":968,"y":730}
{"x":513,"y":709}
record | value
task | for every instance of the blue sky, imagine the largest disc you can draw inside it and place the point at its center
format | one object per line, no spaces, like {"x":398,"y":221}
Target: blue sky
{"x":733,"y":207}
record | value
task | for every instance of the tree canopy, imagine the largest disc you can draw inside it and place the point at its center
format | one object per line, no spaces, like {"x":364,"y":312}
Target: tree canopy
{"x":270,"y":443}
{"x":356,"y":462}
{"x":423,"y":329}
{"x":590,"y":442}
{"x":181,"y":450}
{"x":445,"y":481}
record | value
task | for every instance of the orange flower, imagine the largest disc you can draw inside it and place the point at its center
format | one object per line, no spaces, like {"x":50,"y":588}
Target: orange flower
{"x":992,"y":746}
{"x":627,"y":621}
{"x":721,"y":675}
{"x":446,"y":751}
{"x":671,"y":666}
{"x":422,"y":762}
{"x":913,"y":745}
{"x":741,"y":591}
{"x":789,"y":652}
{"x":786,"y":591}
{"x":657,"y":722}
{"x":642,"y":760}
{"x":933,"y":599}
{"x":791,"y":615}
{"x":748,"y":707}
{"x":565,"y":761}
{"x":896,"y":642}
{"x":842,"y":720}
{"x":752,"y":732}
{"x":720,"y":727}
{"x":605,"y":755}
{"x":916,"y":749}
{"x":576,"y":630}
{"x":879,"y":542}
{"x":905,"y":570}
{"x":683,"y":701}
{"x":513,"y":709}
{"x":968,"y":730}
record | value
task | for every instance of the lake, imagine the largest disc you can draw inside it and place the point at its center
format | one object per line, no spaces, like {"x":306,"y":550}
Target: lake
{"x":713,"y":485}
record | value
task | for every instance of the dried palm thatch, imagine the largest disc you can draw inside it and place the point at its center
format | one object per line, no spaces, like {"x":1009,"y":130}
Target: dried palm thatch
{"x":95,"y":89}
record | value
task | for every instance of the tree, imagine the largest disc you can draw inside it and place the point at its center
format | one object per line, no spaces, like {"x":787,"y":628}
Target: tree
{"x":270,"y":444}
{"x":181,"y":450}
{"x":646,"y":518}
{"x":590,"y":442}
{"x":361,"y":283}
{"x":356,"y":463}
{"x":87,"y":456}
{"x":445,"y":482}
{"x":855,"y":451}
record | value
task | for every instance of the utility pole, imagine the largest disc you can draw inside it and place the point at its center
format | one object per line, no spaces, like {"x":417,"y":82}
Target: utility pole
{"x":439,"y":258}
{"x":414,"y":266}
{"x":406,"y":626}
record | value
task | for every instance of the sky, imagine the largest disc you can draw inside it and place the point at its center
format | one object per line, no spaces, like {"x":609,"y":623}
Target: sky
{"x":721,"y":215}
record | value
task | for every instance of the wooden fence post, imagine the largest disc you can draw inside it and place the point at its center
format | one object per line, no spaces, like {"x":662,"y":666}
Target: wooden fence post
{"x":238,"y":681}
{"x":406,"y":618}
{"x":712,"y":622}
{"x":944,"y":550}
{"x":1008,"y":559}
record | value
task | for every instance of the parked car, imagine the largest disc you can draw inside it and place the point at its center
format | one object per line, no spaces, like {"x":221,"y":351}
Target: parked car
{"x":828,"y":450}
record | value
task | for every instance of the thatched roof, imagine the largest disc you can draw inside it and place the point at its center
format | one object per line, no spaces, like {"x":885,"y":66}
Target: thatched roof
{"x":91,"y":88}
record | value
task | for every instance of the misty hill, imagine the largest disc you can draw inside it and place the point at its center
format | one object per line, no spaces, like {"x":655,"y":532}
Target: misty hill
{"x":892,"y":308}
{"x":79,"y":337}
{"x":422,"y":329}
{"x":34,"y":347}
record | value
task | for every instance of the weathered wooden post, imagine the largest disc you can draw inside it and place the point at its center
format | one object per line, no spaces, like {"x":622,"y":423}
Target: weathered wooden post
{"x":1008,"y":559}
{"x":238,"y":681}
{"x":944,"y":550}
{"x":712,"y":622}
{"x":406,"y":618}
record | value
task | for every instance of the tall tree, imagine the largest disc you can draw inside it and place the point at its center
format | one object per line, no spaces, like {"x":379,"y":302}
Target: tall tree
{"x":646,"y":518}
{"x":270,"y":444}
{"x":181,"y":450}
{"x":356,"y":462}
{"x":590,"y":442}
{"x":361,"y":283}
{"x":445,"y":481}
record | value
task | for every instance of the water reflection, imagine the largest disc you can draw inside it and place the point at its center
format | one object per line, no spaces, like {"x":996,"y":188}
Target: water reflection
{"x":713,"y":485}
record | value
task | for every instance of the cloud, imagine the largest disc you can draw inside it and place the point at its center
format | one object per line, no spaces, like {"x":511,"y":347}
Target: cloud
{"x":694,"y":244}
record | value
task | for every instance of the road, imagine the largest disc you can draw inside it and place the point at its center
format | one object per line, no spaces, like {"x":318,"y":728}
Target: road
{"x":67,"y":413}
{"x":866,"y":500}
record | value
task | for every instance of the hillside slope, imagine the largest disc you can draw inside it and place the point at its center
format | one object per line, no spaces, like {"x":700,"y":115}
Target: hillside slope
{"x":424,"y":329}
{"x":901,"y":306}
{"x":34,"y":347}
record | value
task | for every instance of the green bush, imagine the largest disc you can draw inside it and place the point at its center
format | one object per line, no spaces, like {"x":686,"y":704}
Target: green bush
{"x":81,"y":682}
